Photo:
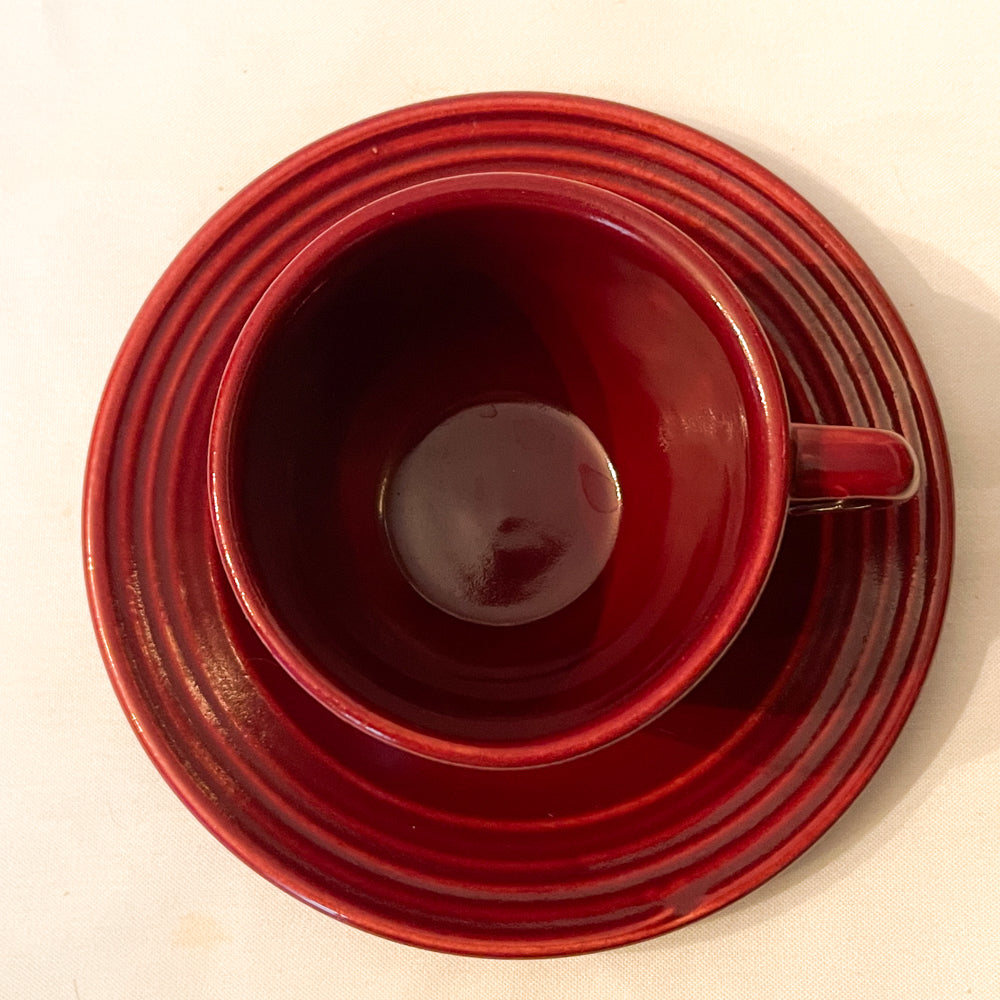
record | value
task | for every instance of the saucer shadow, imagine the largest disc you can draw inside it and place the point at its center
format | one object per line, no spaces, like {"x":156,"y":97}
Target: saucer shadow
{"x":962,"y":367}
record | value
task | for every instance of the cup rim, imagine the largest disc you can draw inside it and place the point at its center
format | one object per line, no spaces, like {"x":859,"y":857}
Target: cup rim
{"x":706,"y":287}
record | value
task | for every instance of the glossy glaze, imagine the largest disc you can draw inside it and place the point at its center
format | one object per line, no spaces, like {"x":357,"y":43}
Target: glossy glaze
{"x":471,"y":289}
{"x":838,"y":463}
{"x":727,"y":787}
{"x":503,"y":513}
{"x":379,"y":343}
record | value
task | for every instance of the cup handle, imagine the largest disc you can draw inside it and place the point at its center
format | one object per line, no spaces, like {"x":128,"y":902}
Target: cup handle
{"x":835,"y":466}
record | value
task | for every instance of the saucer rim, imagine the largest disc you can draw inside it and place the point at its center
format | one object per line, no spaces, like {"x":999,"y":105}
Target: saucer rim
{"x":107,"y":429}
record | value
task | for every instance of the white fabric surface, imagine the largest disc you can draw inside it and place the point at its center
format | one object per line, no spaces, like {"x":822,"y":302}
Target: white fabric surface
{"x":125,"y":125}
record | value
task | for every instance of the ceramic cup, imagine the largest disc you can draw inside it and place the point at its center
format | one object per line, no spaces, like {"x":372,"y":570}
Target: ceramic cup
{"x":500,"y":464}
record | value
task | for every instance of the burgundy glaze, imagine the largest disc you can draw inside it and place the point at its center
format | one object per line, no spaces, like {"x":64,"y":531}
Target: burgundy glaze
{"x":479,"y":289}
{"x":837,"y":463}
{"x":454,"y":297}
{"x":504,"y":513}
{"x":667,"y":825}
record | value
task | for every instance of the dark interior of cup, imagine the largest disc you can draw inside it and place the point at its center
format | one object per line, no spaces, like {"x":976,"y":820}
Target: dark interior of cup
{"x":473,"y":306}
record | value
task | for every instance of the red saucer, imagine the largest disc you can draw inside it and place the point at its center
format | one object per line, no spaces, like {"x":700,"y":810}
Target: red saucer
{"x":664,"y":827}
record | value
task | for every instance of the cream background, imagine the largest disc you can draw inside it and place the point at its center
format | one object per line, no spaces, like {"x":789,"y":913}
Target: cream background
{"x":123,"y":125}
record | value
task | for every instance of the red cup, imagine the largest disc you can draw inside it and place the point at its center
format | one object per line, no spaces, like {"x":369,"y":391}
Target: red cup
{"x":500,"y":464}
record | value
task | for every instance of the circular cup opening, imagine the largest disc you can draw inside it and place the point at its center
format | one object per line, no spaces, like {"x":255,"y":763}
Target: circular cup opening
{"x":543,"y":299}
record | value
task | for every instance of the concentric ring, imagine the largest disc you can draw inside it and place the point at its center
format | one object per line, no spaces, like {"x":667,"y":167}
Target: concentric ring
{"x":663,"y":827}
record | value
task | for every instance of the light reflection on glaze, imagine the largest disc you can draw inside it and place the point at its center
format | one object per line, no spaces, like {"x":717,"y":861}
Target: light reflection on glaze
{"x":504,"y":513}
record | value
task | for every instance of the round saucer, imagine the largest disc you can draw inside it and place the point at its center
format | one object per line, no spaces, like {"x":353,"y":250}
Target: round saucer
{"x":659,"y":829}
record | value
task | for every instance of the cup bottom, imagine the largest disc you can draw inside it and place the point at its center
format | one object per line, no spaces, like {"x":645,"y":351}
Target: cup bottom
{"x":504,"y":513}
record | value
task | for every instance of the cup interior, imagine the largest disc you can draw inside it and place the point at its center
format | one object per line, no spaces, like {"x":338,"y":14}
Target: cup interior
{"x":493,"y":291}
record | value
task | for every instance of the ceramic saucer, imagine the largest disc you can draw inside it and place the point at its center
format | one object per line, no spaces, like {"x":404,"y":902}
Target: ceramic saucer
{"x":663,"y":827}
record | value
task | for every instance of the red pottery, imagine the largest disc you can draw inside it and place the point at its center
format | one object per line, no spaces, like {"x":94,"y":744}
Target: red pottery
{"x":729,"y":785}
{"x":538,"y":360}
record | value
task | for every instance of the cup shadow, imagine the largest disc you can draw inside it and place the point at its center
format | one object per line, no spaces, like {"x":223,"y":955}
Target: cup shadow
{"x":962,"y":367}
